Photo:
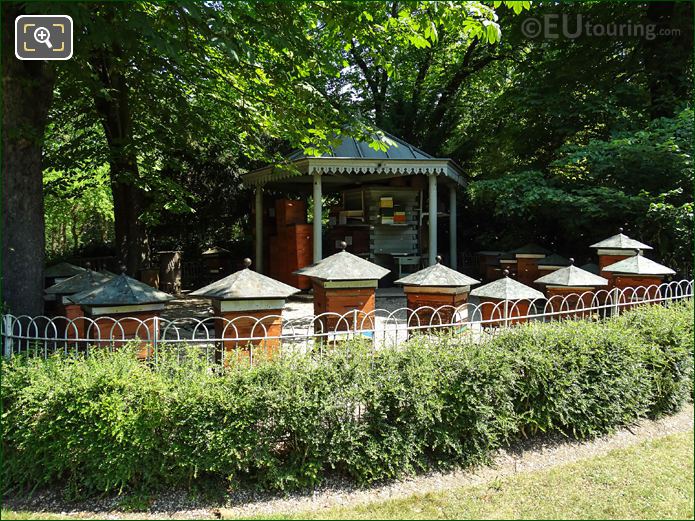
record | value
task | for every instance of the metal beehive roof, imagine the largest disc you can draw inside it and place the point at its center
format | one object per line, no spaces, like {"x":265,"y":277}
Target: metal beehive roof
{"x":120,"y":290}
{"x":63,"y":269}
{"x":530,"y":248}
{"x":590,"y":267}
{"x":344,"y":266}
{"x":506,"y":289}
{"x":437,"y":276}
{"x":86,"y":280}
{"x":553,"y":260}
{"x":246,"y":284}
{"x":638,"y":265}
{"x":572,"y":277}
{"x":621,"y":242}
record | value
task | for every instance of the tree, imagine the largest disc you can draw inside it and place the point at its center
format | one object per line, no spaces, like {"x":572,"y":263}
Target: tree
{"x":27,"y":91}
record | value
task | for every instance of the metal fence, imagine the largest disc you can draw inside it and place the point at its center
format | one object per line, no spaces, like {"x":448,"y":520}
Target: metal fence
{"x":247,"y":337}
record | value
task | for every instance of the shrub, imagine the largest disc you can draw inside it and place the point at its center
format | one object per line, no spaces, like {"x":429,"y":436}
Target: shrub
{"x":109,"y":423}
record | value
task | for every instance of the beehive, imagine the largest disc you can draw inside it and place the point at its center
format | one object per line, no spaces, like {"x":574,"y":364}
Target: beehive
{"x":571,"y":288}
{"x":74,"y":328}
{"x":435,"y":293}
{"x":249,"y":305}
{"x":526,"y":266}
{"x":344,"y":283}
{"x":129,"y":302}
{"x":504,"y":300}
{"x":616,"y":248}
{"x":638,"y":271}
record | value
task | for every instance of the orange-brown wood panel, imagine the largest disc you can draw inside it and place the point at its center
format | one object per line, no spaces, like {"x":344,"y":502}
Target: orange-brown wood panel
{"x":289,"y":211}
{"x":432,"y":300}
{"x":527,"y":270}
{"x":360,"y":301}
{"x":247,"y":324}
{"x":496,"y":315}
{"x":131,"y":326}
{"x":567,"y":299}
{"x":607,"y":260}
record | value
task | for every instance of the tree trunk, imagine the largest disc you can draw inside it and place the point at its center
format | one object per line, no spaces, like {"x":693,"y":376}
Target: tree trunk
{"x":129,"y":200}
{"x":27,"y":94}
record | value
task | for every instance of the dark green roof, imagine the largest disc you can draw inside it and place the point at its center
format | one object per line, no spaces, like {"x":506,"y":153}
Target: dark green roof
{"x":553,"y":260}
{"x":86,"y":280}
{"x":120,"y":290}
{"x":437,"y":276}
{"x":246,"y":284}
{"x":63,"y":269}
{"x":531,"y":248}
{"x":572,"y":277}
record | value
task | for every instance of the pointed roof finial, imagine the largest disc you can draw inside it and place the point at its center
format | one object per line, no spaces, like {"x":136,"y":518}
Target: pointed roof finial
{"x":571,"y":259}
{"x":438,"y":258}
{"x":638,"y":251}
{"x":122,"y":268}
{"x":506,"y":273}
{"x":247,"y":263}
{"x":343,"y":245}
{"x":621,"y":229}
{"x":88,"y":265}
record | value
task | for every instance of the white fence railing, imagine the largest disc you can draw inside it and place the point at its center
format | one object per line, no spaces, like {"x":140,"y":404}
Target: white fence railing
{"x":248,"y":337}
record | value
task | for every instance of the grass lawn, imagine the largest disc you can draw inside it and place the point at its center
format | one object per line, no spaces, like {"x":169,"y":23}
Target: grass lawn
{"x":648,"y":481}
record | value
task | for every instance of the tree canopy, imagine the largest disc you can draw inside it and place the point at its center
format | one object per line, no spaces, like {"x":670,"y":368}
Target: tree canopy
{"x":140,"y":139}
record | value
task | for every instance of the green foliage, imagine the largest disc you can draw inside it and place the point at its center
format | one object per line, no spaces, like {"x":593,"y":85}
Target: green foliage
{"x":110,"y":422}
{"x":641,"y":179}
{"x":78,"y":211}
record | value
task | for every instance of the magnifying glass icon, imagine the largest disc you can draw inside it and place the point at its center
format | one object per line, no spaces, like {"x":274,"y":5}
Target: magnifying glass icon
{"x":42,"y":35}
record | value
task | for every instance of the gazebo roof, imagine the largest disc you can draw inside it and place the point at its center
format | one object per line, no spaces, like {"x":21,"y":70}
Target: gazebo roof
{"x":437,"y":275}
{"x":572,"y":277}
{"x":215,"y":250}
{"x":343,"y":266}
{"x":63,"y":269}
{"x":246,"y":284}
{"x":638,"y":265}
{"x":85,"y":280}
{"x":621,"y":242}
{"x":507,"y":289}
{"x":120,"y":290}
{"x":352,"y":156}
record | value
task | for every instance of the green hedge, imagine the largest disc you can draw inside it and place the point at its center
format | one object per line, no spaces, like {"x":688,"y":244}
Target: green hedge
{"x":110,"y":423}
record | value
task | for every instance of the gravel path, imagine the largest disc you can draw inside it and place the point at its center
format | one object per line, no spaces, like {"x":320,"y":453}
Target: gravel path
{"x":526,"y":456}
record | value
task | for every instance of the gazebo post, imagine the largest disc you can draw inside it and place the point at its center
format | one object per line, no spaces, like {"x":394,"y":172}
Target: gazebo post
{"x":432,"y":214}
{"x":318,"y":215}
{"x":259,"y":228}
{"x":453,"y":260}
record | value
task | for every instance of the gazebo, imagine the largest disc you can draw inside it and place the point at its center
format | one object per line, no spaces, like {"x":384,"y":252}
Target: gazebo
{"x":387,"y":197}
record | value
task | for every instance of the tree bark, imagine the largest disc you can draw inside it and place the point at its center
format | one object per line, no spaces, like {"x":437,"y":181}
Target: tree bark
{"x":129,"y":200}
{"x":27,"y":94}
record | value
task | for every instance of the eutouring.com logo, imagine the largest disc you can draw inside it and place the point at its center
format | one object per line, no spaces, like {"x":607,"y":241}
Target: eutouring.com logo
{"x":554,"y":26}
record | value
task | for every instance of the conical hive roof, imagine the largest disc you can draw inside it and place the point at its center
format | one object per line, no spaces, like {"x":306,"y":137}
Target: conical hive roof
{"x":572,"y":277}
{"x":344,"y":266}
{"x":63,"y":269}
{"x":437,"y":275}
{"x":86,"y":280}
{"x":246,"y":284}
{"x":638,"y":265}
{"x":120,"y":290}
{"x":621,"y":242}
{"x":507,"y":289}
